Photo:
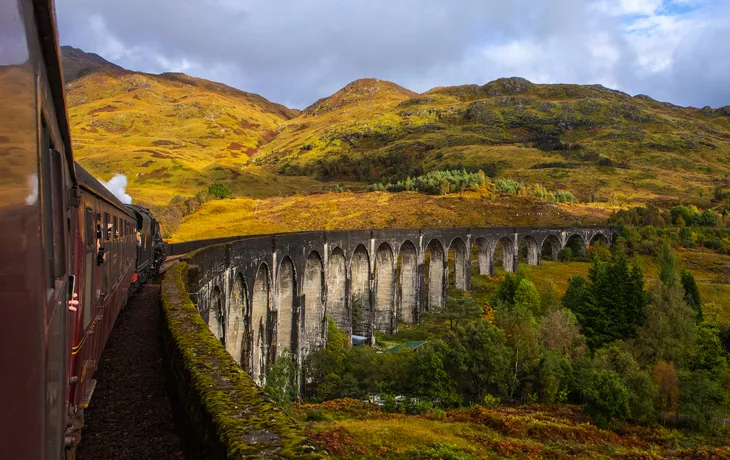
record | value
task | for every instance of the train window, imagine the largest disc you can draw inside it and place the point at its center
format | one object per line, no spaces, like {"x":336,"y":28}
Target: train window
{"x":88,"y":291}
{"x":59,"y":213}
{"x":47,"y":200}
{"x":52,"y":179}
{"x":115,"y":227}
{"x":89,"y":227}
{"x":107,"y":229}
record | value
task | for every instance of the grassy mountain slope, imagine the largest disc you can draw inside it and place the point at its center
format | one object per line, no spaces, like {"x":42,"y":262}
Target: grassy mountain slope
{"x":172,"y":134}
{"x":77,"y":63}
{"x":591,"y":140}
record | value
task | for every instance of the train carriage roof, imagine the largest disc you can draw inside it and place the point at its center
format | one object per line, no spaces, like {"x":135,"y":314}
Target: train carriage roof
{"x":88,"y":182}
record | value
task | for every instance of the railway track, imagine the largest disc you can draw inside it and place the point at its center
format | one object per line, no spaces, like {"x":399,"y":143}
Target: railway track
{"x":130,"y":415}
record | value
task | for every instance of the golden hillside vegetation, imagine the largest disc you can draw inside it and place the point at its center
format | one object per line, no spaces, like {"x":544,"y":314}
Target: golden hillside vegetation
{"x":171,"y":134}
{"x":342,"y":211}
{"x":598,"y":143}
{"x":174,"y":135}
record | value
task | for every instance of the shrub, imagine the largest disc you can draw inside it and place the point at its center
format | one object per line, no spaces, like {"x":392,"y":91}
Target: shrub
{"x":389,"y":403}
{"x":423,"y":407}
{"x":280,"y":381}
{"x":565,"y":255}
{"x":219,"y":191}
{"x":491,"y":401}
{"x":317,"y":415}
{"x":701,"y":399}
{"x":600,"y":252}
{"x":606,"y":397}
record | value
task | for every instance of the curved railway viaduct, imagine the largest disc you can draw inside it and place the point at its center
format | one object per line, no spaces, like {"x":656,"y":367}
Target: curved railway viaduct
{"x":261,"y":295}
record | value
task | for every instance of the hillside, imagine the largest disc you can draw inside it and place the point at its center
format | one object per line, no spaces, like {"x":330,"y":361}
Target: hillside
{"x":599,"y":143}
{"x":77,"y":63}
{"x":171,"y":134}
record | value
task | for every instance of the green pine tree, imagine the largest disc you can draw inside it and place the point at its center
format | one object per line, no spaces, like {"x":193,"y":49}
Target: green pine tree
{"x":692,"y":294}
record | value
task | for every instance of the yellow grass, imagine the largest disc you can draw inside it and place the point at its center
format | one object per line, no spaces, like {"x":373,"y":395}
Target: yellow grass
{"x":377,"y":210}
{"x":531,"y":431}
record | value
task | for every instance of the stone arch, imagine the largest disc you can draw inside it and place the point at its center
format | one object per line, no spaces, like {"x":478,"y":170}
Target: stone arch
{"x":360,"y":291}
{"x":238,"y":327}
{"x":482,"y":254}
{"x":286,"y":295}
{"x":407,"y":283}
{"x":260,"y":303}
{"x":550,"y":247}
{"x":216,"y":318}
{"x":529,"y":251}
{"x":459,"y":265}
{"x":337,"y":290}
{"x":599,"y":239}
{"x":577,"y":245}
{"x":313,"y":311}
{"x":435,"y":266}
{"x":504,"y":249}
{"x":383,"y":314}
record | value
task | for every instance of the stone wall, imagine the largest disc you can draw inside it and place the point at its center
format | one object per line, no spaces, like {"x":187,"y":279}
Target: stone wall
{"x":223,"y":414}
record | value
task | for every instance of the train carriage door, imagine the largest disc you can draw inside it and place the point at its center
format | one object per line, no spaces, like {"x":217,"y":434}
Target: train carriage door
{"x":54,"y":183}
{"x":115,"y":250}
{"x":106,"y":231}
{"x":89,"y":239}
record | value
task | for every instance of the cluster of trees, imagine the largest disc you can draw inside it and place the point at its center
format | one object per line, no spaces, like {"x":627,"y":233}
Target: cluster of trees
{"x":619,"y":350}
{"x":171,"y":215}
{"x":679,"y":216}
{"x":537,"y":190}
{"x":438,"y":183}
{"x":649,"y":239}
{"x":691,"y":216}
{"x":460,"y":180}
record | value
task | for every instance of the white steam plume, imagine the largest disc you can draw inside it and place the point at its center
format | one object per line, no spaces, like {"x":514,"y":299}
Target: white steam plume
{"x":117,"y":185}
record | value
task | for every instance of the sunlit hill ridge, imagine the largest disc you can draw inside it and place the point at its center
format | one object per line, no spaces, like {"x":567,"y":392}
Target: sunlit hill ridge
{"x":174,"y":135}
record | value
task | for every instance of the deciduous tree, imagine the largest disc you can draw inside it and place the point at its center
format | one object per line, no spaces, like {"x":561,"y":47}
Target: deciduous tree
{"x":666,"y":380}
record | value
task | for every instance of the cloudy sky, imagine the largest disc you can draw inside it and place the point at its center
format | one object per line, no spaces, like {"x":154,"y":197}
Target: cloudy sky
{"x":296,"y":51}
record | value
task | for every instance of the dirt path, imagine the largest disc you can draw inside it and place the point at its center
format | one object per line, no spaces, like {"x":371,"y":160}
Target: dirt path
{"x":129,"y":416}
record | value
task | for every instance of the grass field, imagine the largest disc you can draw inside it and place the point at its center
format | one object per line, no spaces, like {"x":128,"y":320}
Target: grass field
{"x":352,"y":429}
{"x":330,"y":211}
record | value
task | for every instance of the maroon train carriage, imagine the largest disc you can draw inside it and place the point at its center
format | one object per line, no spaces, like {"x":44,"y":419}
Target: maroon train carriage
{"x":62,"y":233}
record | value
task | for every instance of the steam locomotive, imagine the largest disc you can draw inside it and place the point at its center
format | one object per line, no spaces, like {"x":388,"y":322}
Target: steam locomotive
{"x":70,"y":252}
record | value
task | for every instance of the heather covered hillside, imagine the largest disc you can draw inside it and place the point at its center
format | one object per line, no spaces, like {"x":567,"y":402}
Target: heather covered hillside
{"x":171,"y":134}
{"x":174,"y":136}
{"x":599,"y":143}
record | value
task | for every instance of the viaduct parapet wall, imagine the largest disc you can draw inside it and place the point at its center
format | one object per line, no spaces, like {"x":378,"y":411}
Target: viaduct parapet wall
{"x":261,"y":295}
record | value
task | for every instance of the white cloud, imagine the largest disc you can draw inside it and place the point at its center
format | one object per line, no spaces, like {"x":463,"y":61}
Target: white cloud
{"x":627,"y":7}
{"x":297,"y":52}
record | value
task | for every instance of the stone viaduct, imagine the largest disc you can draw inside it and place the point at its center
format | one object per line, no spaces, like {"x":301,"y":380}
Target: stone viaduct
{"x":261,"y":295}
